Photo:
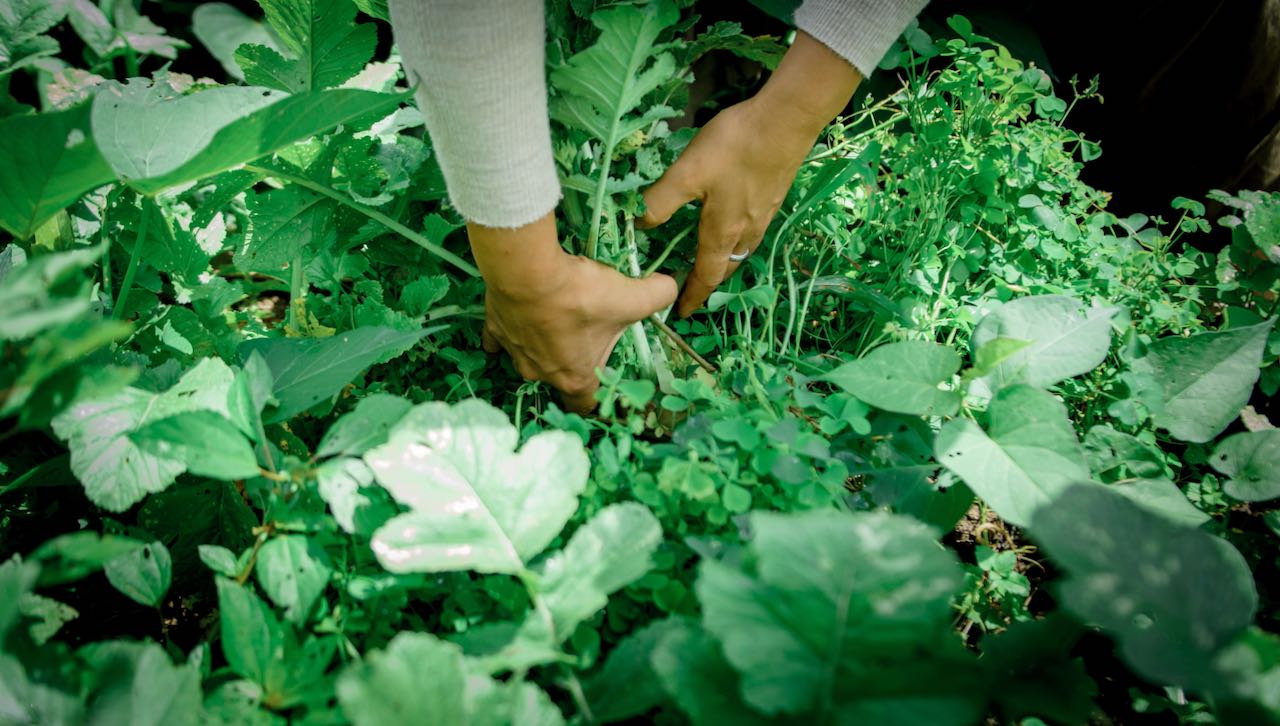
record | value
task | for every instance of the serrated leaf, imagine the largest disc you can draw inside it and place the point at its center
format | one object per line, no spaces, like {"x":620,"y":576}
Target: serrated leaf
{"x":328,"y":48}
{"x":50,"y":615}
{"x":293,"y":571}
{"x":51,"y":160}
{"x":612,"y":550}
{"x":116,"y":473}
{"x":17,"y":578}
{"x":474,"y":502}
{"x":285,"y":224}
{"x":364,"y":427}
{"x":1170,"y":595}
{"x":1252,"y":460}
{"x":204,"y":441}
{"x":143,"y":574}
{"x":1205,"y":378}
{"x":835,"y":612}
{"x":1027,"y":456}
{"x":1064,"y":338}
{"x":46,"y":291}
{"x":310,"y":370}
{"x":22,"y":24}
{"x":601,"y":85}
{"x":903,"y":378}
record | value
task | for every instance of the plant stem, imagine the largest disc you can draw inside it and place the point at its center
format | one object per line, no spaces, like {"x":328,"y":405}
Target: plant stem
{"x":639,"y":339}
{"x":681,"y":343}
{"x":297,"y":294}
{"x":653,"y":266}
{"x":373,"y":214}
{"x":117,"y":309}
{"x":597,"y":200}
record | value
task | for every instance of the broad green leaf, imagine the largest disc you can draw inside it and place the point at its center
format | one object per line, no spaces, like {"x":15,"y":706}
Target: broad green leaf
{"x":23,"y":701}
{"x":17,"y":578}
{"x":138,"y":685}
{"x":1206,"y":378}
{"x":135,"y":123}
{"x":514,"y":702}
{"x":1170,"y":595}
{"x":364,"y":427}
{"x":1163,"y":497}
{"x":598,"y":88}
{"x":69,"y":557}
{"x":474,"y":502}
{"x":836,"y":611}
{"x":142,"y":574}
{"x":327,"y":46}
{"x":221,"y":29}
{"x":1252,"y":460}
{"x":612,"y":550}
{"x":388,"y":686}
{"x":374,"y":9}
{"x":196,"y":513}
{"x":627,"y":685}
{"x":346,"y":485}
{"x":50,"y":160}
{"x":22,"y":27}
{"x":1027,"y":456}
{"x":285,"y":224}
{"x":252,"y":638}
{"x":205,"y":442}
{"x":692,"y":669}
{"x":147,"y":129}
{"x":46,"y":291}
{"x":1115,"y":454}
{"x":310,"y":370}
{"x":1248,"y":691}
{"x":116,"y":473}
{"x":903,"y":378}
{"x":1065,"y":339}
{"x":294,"y":571}
{"x":250,"y":394}
{"x":219,"y":559}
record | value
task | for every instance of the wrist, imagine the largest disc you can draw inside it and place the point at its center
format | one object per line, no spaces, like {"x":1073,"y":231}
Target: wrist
{"x":521,"y":264}
{"x":810,"y":87}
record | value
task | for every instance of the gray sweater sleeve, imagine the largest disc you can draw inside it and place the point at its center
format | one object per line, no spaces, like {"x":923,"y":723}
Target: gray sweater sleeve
{"x":482,"y":88}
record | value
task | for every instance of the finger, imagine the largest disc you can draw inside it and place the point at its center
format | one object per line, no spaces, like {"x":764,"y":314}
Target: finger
{"x":488,"y":342}
{"x":749,"y":243}
{"x":579,"y":393}
{"x":672,"y":191}
{"x":716,"y":241}
{"x":637,"y":299}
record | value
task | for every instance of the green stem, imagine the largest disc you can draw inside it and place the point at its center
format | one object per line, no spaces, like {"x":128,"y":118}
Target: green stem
{"x":373,"y":214}
{"x":597,"y":200}
{"x":653,"y":266}
{"x":808,"y":297}
{"x":298,"y":294}
{"x":639,"y":339}
{"x":134,"y":258}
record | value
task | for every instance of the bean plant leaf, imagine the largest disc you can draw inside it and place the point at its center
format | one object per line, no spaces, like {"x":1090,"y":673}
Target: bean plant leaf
{"x":328,"y":47}
{"x":837,"y":608}
{"x":1205,"y":378}
{"x":142,"y":574}
{"x":474,"y":502}
{"x":293,"y":571}
{"x":365,"y":426}
{"x":1065,"y":339}
{"x":903,"y":377}
{"x":1170,"y":595}
{"x":609,"y":552}
{"x":1027,"y":456}
{"x":310,"y":370}
{"x":388,"y":687}
{"x":115,"y":471}
{"x":600,"y":87}
{"x":1252,"y":460}
{"x":205,"y":442}
{"x":1163,"y":497}
{"x":50,"y":161}
{"x":222,"y":28}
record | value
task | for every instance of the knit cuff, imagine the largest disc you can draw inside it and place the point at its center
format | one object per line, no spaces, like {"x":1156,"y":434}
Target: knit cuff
{"x":860,"y":31}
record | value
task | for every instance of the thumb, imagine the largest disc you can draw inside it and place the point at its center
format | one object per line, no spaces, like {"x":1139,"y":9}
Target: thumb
{"x":666,"y":195}
{"x":645,"y":296}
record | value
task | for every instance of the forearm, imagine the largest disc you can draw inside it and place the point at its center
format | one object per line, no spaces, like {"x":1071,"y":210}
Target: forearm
{"x":523,"y":262}
{"x":810,"y":86}
{"x":479,"y":68}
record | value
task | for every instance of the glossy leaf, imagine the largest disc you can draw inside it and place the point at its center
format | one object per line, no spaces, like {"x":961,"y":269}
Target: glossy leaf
{"x":1027,"y":456}
{"x":1205,"y":378}
{"x":474,"y":502}
{"x":903,"y":378}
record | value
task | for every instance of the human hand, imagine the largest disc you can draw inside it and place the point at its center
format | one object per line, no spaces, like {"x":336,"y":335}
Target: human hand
{"x":741,"y":164}
{"x":557,"y":315}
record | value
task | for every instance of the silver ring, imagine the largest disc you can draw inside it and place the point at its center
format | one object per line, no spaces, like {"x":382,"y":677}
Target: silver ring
{"x":739,"y":257}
